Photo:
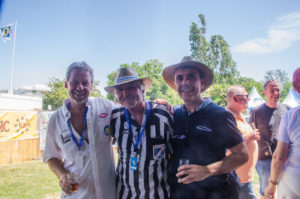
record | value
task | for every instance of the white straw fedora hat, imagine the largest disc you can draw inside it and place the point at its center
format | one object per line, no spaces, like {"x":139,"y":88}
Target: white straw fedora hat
{"x":126,"y":75}
{"x":188,"y":61}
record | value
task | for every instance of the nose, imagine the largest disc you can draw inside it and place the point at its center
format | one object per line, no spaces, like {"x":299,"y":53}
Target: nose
{"x":79,"y":86}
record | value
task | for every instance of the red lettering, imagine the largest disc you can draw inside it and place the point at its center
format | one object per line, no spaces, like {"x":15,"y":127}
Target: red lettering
{"x":22,"y":125}
{"x":3,"y":126}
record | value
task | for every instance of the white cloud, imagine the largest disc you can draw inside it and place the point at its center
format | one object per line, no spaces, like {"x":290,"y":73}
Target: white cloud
{"x":280,"y":36}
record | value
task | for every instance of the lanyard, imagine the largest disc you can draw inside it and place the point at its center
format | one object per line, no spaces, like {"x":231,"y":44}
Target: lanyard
{"x":80,"y":143}
{"x":136,"y":144}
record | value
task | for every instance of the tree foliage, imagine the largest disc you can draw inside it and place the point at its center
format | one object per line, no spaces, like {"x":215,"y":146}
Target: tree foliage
{"x":279,"y":75}
{"x":216,"y":54}
{"x":158,"y":90}
{"x":58,"y":93}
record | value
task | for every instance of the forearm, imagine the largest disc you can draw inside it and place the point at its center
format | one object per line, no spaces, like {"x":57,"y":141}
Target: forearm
{"x":229,"y":163}
{"x":278,"y":160}
{"x":276,"y":169}
{"x":56,"y":166}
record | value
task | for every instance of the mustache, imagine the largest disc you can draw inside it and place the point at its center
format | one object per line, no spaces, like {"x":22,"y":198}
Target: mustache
{"x":185,"y":88}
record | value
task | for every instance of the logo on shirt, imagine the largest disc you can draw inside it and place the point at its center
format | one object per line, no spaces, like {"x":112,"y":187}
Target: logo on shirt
{"x":103,"y":115}
{"x":159,"y":152}
{"x":106,"y":130}
{"x":203,"y":128}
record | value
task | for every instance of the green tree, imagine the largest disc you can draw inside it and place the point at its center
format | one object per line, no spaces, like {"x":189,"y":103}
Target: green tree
{"x":280,"y":75}
{"x":216,"y":55}
{"x":158,"y":90}
{"x":58,"y":93}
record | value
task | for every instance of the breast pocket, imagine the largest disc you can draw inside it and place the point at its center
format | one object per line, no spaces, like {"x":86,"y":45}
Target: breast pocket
{"x":103,"y":129}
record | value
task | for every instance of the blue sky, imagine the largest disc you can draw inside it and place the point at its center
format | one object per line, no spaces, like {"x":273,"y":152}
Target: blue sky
{"x":263,"y":35}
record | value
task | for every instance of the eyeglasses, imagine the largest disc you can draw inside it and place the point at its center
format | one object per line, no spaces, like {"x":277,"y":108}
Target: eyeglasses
{"x":246,"y":96}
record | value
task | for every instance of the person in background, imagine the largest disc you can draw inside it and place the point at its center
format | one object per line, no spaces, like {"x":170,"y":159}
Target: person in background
{"x":77,"y":142}
{"x":266,"y":119}
{"x":237,"y":102}
{"x":285,"y":167}
{"x":203,"y":132}
{"x":142,"y":130}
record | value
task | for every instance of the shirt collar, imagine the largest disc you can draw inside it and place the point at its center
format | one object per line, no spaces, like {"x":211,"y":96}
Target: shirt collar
{"x":204,"y":103}
{"x":66,"y":111}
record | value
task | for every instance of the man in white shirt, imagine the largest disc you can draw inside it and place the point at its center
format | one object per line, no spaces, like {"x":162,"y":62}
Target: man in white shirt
{"x":78,"y":142}
{"x":285,"y":167}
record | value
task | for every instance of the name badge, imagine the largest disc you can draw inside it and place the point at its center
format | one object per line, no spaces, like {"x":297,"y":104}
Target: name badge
{"x":80,"y":160}
{"x":133,"y":163}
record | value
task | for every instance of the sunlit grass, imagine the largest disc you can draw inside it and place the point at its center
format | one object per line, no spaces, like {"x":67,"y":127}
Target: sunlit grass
{"x":30,"y":180}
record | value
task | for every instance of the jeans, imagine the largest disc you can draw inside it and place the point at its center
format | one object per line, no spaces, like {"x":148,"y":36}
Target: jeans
{"x":263,"y":168}
{"x":247,"y":191}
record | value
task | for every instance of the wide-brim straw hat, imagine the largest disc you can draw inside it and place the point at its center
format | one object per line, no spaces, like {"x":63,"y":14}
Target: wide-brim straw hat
{"x":188,"y":61}
{"x":126,"y":75}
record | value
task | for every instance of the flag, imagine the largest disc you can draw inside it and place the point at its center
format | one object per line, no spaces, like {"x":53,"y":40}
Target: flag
{"x":7,"y":32}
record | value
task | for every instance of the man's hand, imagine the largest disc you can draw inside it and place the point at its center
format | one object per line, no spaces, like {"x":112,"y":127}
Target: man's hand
{"x":270,"y":191}
{"x":165,"y":103}
{"x":252,"y":136}
{"x":65,"y":185}
{"x":192,"y":173}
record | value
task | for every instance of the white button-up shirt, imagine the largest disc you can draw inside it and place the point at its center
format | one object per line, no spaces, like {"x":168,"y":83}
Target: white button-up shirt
{"x":96,"y":176}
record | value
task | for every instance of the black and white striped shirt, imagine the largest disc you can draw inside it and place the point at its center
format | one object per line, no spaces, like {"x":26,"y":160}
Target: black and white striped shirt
{"x":149,"y":181}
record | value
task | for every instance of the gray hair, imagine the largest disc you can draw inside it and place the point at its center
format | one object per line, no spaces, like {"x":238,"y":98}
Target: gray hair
{"x":80,"y":66}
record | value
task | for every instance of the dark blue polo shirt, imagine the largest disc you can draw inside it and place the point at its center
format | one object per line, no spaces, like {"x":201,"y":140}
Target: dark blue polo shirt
{"x":203,"y":137}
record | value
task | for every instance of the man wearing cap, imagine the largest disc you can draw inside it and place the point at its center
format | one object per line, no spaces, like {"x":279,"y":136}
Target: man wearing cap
{"x":142,"y":131}
{"x":285,"y":167}
{"x":203,"y":132}
{"x":77,"y":144}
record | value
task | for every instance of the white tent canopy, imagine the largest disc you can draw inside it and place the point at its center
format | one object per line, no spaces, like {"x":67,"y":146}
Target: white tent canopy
{"x":255,"y":99}
{"x":37,"y":87}
{"x":292,"y":99}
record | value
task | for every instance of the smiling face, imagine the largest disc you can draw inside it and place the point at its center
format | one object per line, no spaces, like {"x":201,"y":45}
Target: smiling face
{"x":130,"y":94}
{"x":79,"y":86}
{"x":188,"y":84}
{"x":272,"y":92}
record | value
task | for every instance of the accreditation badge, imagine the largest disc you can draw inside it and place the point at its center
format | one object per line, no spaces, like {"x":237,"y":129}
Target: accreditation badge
{"x":80,"y":160}
{"x":133,"y":163}
{"x":159,"y":152}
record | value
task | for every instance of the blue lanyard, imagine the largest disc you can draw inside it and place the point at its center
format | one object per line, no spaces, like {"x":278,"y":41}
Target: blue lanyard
{"x":80,"y":143}
{"x":136,"y":145}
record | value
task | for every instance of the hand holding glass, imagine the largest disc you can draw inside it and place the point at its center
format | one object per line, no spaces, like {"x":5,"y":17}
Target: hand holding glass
{"x":183,"y":161}
{"x":73,"y":179}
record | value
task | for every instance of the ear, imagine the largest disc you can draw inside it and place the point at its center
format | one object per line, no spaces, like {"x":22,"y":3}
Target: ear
{"x":264,"y":92}
{"x":202,"y":85}
{"x":66,"y":84}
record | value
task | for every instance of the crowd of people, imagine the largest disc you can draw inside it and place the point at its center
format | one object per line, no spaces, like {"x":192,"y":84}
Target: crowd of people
{"x":194,"y":150}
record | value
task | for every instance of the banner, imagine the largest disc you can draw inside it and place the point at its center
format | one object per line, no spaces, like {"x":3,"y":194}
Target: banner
{"x":7,"y":32}
{"x":18,"y":125}
{"x":43,"y":119}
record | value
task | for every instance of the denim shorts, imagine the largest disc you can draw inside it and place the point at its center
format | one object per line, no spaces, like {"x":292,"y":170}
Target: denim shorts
{"x":263,"y":168}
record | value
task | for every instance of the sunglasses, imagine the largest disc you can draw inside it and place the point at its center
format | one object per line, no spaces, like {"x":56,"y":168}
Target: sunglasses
{"x":246,"y":96}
